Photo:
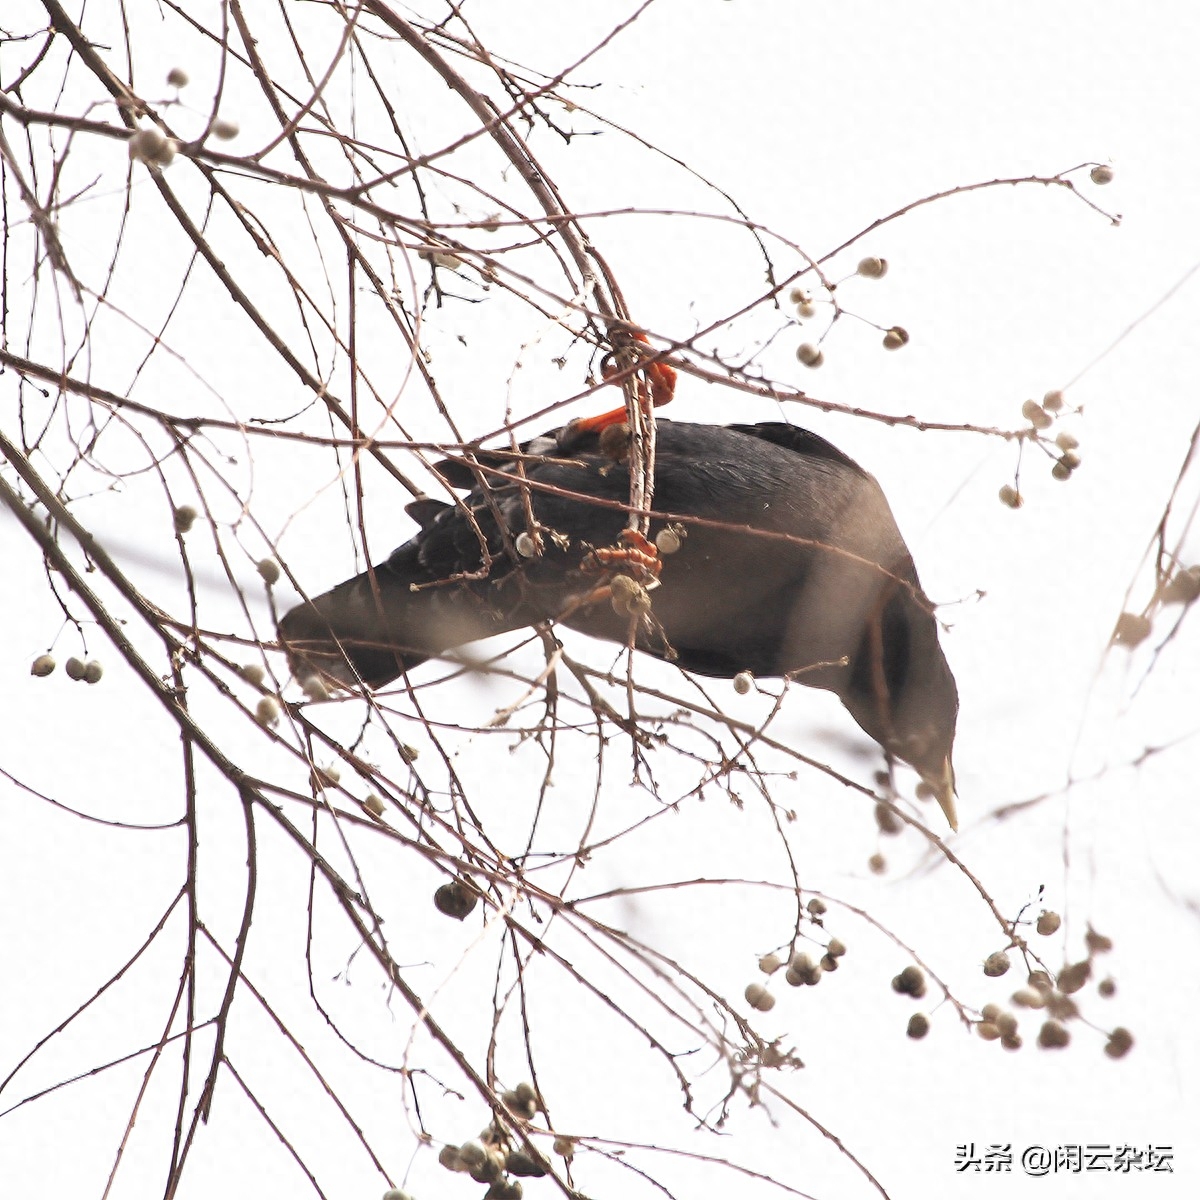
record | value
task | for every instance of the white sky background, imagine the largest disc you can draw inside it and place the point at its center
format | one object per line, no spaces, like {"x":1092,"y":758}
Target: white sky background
{"x":818,"y":119}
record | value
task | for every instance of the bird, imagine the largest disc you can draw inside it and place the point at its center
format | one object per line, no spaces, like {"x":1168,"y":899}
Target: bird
{"x":787,"y":563}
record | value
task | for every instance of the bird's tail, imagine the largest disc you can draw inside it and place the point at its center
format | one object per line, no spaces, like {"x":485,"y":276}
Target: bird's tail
{"x":374,"y":627}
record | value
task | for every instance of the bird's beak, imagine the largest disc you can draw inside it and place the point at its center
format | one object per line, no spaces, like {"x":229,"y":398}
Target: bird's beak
{"x":942,"y":782}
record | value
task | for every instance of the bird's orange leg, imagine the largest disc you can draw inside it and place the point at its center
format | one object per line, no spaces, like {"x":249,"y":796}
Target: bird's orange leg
{"x":657,"y":389}
{"x":636,"y":556}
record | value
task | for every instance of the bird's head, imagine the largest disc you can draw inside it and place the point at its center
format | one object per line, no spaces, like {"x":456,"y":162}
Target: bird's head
{"x":903,"y":693}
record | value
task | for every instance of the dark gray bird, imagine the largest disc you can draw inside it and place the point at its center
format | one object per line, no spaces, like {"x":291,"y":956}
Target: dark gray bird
{"x":789,"y":563}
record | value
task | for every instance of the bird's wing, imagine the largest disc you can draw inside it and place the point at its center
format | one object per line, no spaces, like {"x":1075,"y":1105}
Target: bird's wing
{"x":802,"y":441}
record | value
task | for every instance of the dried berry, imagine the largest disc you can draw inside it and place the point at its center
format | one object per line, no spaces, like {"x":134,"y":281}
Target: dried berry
{"x":1029,"y":998}
{"x":669,"y":539}
{"x":910,"y":982}
{"x":1119,"y":1043}
{"x":801,"y":970}
{"x":1048,"y":923}
{"x":1036,"y":415}
{"x":1131,"y":629}
{"x":324,"y":777}
{"x":759,"y":998}
{"x":470,"y":1155}
{"x":455,"y":899}
{"x":519,"y":1163}
{"x":886,"y":819}
{"x":1182,"y":588}
{"x":1053,"y":1036}
{"x":152,"y":147}
{"x":1006,"y":1023}
{"x":1073,"y":977}
{"x":504,"y":1189}
{"x":1060,"y":1007}
{"x":996,"y":964}
{"x":184,"y":517}
{"x":490,"y":1168}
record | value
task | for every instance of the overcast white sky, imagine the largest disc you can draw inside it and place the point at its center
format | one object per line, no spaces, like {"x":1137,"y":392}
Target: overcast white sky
{"x":818,"y":120}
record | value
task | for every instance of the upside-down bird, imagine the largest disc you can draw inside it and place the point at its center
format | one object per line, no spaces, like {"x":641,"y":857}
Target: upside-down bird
{"x":786,"y":562}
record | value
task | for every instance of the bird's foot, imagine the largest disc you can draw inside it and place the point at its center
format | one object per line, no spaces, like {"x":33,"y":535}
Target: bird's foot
{"x":636,"y":556}
{"x":654,"y":389}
